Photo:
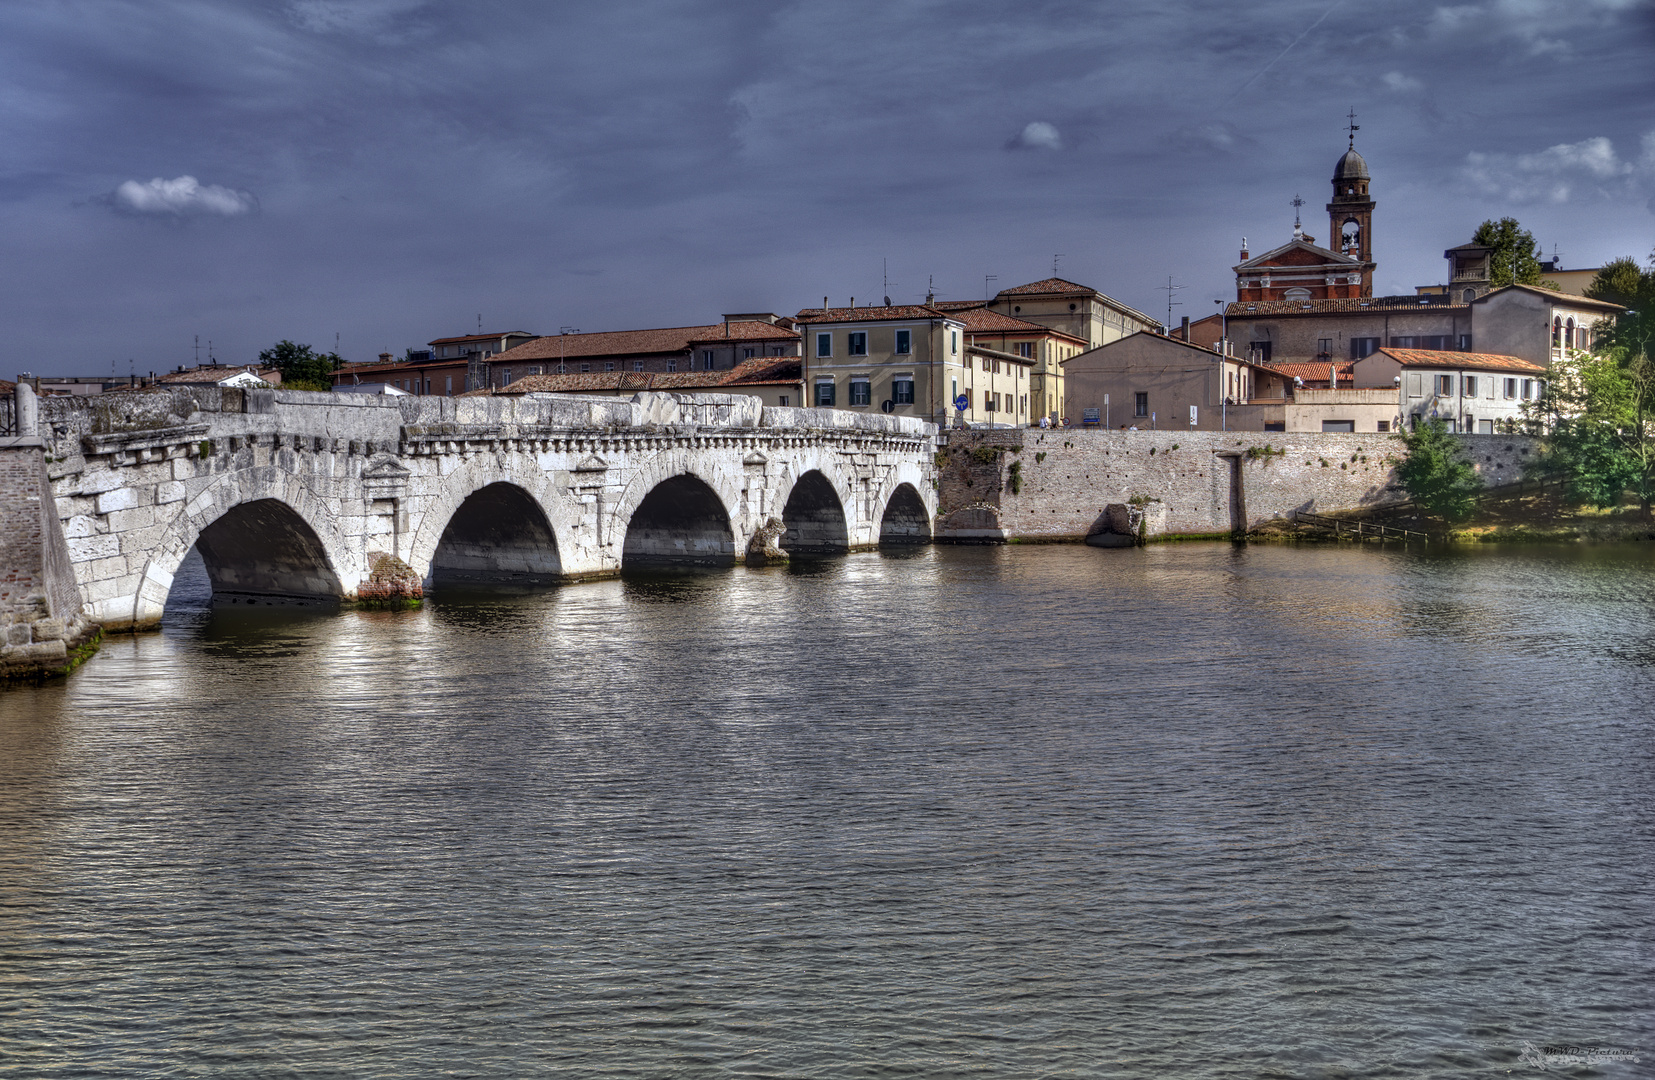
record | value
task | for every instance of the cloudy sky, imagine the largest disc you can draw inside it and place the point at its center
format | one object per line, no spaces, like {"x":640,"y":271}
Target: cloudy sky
{"x":388,"y":170}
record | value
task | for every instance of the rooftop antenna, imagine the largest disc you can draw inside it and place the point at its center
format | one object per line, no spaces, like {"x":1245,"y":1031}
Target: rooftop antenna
{"x":198,"y":350}
{"x":885,"y":273}
{"x":1353,"y":127}
{"x":1171,"y":303}
{"x":210,"y":358}
{"x":986,"y":279}
{"x":479,"y":322}
{"x":930,"y":287}
{"x":1054,"y":264}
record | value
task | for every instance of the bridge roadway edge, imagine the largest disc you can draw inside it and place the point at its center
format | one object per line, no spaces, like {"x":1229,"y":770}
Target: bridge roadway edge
{"x":137,"y":477}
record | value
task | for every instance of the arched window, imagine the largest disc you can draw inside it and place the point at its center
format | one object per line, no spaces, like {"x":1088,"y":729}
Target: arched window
{"x":1569,"y":339}
{"x":1557,"y":333}
{"x":1297,"y":294}
{"x":1470,"y":295}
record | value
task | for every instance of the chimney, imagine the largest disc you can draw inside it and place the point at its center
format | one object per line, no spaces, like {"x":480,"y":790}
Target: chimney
{"x":1184,"y":330}
{"x":384,"y":358}
{"x":853,"y":303}
{"x":824,"y":303}
{"x":1244,"y":255}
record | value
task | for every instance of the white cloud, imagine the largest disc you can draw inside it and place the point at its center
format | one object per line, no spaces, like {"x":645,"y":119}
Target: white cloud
{"x":1543,"y":26}
{"x":1402,"y":84}
{"x":1039,"y":135}
{"x":182,"y":196}
{"x":1589,"y":168}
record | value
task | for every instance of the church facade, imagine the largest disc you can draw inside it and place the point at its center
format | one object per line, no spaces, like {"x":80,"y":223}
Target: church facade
{"x":1301,"y":270}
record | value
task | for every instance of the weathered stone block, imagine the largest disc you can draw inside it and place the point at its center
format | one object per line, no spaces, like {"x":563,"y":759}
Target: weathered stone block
{"x":120,"y":499}
{"x":17,"y":634}
{"x":87,"y":548}
{"x":170,"y":492}
{"x":80,"y":525}
{"x":48,"y":629}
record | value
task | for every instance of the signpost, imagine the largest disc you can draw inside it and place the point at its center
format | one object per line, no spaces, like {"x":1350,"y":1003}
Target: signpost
{"x":1192,"y":416}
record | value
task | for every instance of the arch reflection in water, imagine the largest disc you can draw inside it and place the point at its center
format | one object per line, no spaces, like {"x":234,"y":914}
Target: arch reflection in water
{"x":905,"y":520}
{"x":814,"y":518}
{"x":499,"y":537}
{"x":680,"y":523}
{"x":263,"y":553}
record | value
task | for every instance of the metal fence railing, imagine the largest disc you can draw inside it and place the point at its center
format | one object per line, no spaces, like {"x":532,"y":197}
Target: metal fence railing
{"x":8,"y":414}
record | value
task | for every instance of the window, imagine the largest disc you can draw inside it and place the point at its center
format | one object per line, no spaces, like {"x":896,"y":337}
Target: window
{"x":609,"y":365}
{"x":861,"y":391}
{"x":1470,"y":425}
{"x":996,"y":366}
{"x":902,"y":390}
{"x":856,"y":343}
{"x":1296,"y":294}
{"x":505,"y":377}
{"x":1324,"y":346}
{"x":706,"y":359}
{"x":1445,"y":385}
{"x":824,"y":392}
{"x":1140,"y":403}
{"x":988,"y":401}
{"x":782,"y":400}
{"x":448,"y":385}
{"x":1025,"y":349}
{"x":824,"y":345}
{"x":1416,"y":384}
{"x":747,"y":354}
{"x":1384,"y":425}
{"x":1485,"y":427}
{"x":1363,"y":346}
{"x":1528,"y":389}
{"x":1465,"y":343}
{"x":904,"y":342}
{"x":1471,"y":386}
{"x":672,"y":365}
{"x":1338,"y":425}
{"x":563,"y":369}
{"x":637,"y":365}
{"x":584,"y":368}
{"x":1511,"y":389}
{"x":953,"y":343}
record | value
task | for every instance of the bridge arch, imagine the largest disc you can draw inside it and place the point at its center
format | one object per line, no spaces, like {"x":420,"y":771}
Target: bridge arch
{"x":677,"y":518}
{"x":814,"y":516}
{"x":906,"y":518}
{"x":498,"y":535}
{"x":275,"y":544}
{"x":532,"y":542}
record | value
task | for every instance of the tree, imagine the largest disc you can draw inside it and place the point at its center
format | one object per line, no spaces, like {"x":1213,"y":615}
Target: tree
{"x":1623,"y":282}
{"x":301,"y":368}
{"x":1435,"y":473}
{"x":1515,"y":258}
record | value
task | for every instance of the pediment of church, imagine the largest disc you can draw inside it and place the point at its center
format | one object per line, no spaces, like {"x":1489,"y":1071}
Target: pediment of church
{"x":1297,"y":253}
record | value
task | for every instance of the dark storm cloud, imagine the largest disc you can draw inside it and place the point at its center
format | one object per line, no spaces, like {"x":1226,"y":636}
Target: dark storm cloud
{"x":415,"y":164}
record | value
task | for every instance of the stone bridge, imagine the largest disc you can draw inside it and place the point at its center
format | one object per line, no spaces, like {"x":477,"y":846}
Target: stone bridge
{"x":301,"y":498}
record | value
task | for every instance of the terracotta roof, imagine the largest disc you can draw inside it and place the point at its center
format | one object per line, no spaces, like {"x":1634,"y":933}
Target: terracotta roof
{"x":997,"y":354}
{"x":479,"y":337}
{"x":1244,"y":308}
{"x":1315,"y":372}
{"x":209,"y":376}
{"x":870,"y":314}
{"x":983,"y":321}
{"x":1047,"y":285}
{"x":958,"y":305}
{"x":1445,"y":359}
{"x":395,"y":366}
{"x":1551,"y":294}
{"x":763,"y":371}
{"x":671,"y":339}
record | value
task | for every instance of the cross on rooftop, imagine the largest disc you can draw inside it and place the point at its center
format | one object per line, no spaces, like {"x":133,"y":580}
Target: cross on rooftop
{"x":1354,"y":128}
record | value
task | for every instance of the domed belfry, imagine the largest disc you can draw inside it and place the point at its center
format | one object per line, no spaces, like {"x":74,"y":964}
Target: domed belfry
{"x":1350,"y":214}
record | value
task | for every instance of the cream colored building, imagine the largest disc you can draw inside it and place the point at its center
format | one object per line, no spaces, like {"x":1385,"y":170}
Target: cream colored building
{"x":1044,"y":347}
{"x":998,"y":389}
{"x":1345,"y":409}
{"x":1152,"y":381}
{"x":861,"y":358}
{"x":1475,"y":393}
{"x":1075,"y":310}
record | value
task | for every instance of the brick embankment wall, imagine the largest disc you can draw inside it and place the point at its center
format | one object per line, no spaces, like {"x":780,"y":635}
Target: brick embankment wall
{"x":41,"y":619}
{"x":1054,"y":485}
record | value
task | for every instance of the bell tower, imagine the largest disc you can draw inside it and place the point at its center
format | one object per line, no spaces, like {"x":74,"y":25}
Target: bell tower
{"x":1350,"y":214}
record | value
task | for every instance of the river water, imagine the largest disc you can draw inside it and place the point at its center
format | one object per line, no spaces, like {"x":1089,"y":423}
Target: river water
{"x":1191,"y":810}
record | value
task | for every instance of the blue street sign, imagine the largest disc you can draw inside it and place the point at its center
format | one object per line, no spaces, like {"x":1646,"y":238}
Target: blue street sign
{"x":962,"y":403}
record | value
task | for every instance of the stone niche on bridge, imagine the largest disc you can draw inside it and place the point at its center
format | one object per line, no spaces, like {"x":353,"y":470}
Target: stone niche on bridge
{"x":295,"y":498}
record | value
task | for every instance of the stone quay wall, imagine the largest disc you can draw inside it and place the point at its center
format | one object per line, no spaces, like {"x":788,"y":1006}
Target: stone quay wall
{"x":1029,"y":484}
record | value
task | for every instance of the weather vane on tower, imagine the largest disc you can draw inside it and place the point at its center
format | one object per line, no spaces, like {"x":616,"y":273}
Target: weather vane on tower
{"x":1353,"y":127}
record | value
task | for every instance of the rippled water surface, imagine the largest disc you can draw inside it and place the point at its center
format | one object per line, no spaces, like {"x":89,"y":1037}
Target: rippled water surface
{"x":1191,"y":810}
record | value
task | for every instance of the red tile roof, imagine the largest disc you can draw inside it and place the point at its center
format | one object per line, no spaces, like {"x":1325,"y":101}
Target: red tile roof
{"x":1315,"y":371}
{"x":870,"y":314}
{"x":762,"y":371}
{"x":980,"y":320}
{"x":1436,"y":358}
{"x":479,"y":337}
{"x":1561,"y":297}
{"x":654,"y":342}
{"x":209,"y":376}
{"x":958,"y":305}
{"x":1047,"y":285}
